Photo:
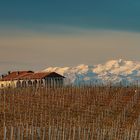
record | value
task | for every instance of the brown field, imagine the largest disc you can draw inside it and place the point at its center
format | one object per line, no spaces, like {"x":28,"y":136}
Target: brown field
{"x":70,"y":113}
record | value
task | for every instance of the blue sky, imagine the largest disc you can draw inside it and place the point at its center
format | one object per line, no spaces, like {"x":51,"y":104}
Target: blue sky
{"x":35,"y":34}
{"x":101,"y":14}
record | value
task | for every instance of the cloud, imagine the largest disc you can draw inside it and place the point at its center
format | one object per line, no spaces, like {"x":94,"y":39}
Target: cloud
{"x":66,"y":46}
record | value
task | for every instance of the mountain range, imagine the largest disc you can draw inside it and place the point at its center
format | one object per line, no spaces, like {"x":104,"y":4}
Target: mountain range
{"x":112,"y":72}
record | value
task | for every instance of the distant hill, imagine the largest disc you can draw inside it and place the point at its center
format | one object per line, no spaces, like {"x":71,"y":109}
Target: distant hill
{"x":113,"y":71}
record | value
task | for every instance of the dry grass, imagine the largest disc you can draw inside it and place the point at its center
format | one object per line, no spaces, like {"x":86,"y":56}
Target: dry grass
{"x":72,"y":107}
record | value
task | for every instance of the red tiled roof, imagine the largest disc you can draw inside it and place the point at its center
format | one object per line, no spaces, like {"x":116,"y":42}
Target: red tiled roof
{"x":29,"y":75}
{"x":15,"y":75}
{"x":40,"y":75}
{"x":34,"y":76}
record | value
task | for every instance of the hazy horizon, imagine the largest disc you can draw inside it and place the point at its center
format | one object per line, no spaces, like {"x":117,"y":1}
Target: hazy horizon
{"x":39,"y":34}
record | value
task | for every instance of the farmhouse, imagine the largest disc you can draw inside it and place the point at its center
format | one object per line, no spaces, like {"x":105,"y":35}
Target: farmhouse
{"x":29,"y":78}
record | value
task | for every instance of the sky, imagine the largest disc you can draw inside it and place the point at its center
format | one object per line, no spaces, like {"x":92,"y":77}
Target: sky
{"x":38,"y":34}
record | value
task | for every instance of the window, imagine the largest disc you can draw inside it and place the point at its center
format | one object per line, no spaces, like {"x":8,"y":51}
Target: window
{"x":29,"y":83}
{"x":18,"y":84}
{"x":9,"y":85}
{"x":24,"y":84}
{"x":35,"y":83}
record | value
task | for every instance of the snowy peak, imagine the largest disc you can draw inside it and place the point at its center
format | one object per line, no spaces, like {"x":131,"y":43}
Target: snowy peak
{"x":113,"y":71}
{"x":118,"y":67}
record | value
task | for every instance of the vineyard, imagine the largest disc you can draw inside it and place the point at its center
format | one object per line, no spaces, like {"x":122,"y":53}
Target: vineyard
{"x":70,"y":113}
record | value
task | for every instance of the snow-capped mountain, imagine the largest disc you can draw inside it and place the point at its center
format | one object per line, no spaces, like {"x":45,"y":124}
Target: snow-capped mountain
{"x":113,"y":71}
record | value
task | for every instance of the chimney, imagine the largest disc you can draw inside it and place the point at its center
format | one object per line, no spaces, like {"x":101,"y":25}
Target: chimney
{"x":17,"y":72}
{"x":9,"y":72}
{"x":2,"y":76}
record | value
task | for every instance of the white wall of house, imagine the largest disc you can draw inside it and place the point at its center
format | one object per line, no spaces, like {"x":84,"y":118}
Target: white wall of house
{"x":4,"y":84}
{"x":48,"y":82}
